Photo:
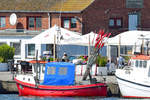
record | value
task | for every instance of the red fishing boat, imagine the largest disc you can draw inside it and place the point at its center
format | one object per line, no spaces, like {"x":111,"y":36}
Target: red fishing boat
{"x":58,"y":78}
{"x":58,"y":81}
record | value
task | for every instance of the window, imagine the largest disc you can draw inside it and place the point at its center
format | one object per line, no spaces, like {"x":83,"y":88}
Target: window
{"x":136,"y":63}
{"x":111,"y":22}
{"x":38,"y":23}
{"x":17,"y":48}
{"x":66,"y":23}
{"x":31,"y":22}
{"x":69,"y":22}
{"x":73,"y":23}
{"x":62,"y":71}
{"x":34,"y":22}
{"x":31,"y":49}
{"x":115,"y":22}
{"x":141,"y":63}
{"x":132,"y":63}
{"x":51,"y":70}
{"x":126,"y":49}
{"x":118,"y":22}
{"x":144,"y":64}
{"x":134,"y":3}
{"x":2,"y":22}
{"x":49,"y":47}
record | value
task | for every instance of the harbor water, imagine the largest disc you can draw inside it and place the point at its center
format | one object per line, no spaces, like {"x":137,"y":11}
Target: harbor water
{"x":16,"y":97}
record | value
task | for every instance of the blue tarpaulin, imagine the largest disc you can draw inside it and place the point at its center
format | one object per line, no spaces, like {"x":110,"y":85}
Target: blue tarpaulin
{"x":59,"y":73}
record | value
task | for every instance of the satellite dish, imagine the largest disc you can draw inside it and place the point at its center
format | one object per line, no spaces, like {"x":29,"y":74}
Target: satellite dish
{"x":13,"y":19}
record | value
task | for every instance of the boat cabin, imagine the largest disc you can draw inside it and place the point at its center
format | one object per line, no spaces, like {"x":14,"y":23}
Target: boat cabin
{"x":140,"y":63}
{"x":59,"y":73}
{"x":38,"y":66}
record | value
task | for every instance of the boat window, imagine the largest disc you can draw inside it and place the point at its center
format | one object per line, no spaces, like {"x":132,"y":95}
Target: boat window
{"x":62,"y":70}
{"x":140,"y":65}
{"x":136,"y":63}
{"x":51,"y":70}
{"x":144,"y":64}
{"x":131,"y":62}
{"x":149,"y":72}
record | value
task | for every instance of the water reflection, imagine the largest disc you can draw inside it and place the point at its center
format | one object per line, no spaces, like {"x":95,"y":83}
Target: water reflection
{"x":16,"y":97}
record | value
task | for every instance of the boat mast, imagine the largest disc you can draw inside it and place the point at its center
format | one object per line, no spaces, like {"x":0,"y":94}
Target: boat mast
{"x":37,"y":70}
{"x":142,"y":45}
{"x":147,"y":44}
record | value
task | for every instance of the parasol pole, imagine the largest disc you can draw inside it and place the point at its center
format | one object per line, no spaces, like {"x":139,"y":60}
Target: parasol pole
{"x":119,"y":45}
{"x":89,"y":46}
{"x":54,"y":51}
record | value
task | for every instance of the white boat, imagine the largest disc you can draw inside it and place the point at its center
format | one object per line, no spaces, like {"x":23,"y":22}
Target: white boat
{"x":134,"y":80}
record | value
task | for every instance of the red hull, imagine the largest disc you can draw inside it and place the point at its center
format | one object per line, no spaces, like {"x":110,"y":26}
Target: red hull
{"x":26,"y":89}
{"x":140,"y":97}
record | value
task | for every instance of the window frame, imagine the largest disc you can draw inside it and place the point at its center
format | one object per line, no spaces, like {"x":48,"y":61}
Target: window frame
{"x":144,"y":64}
{"x":28,"y":51}
{"x":51,"y":70}
{"x":134,"y":3}
{"x":63,"y":71}
{"x":70,"y":20}
{"x":115,"y":23}
{"x":35,"y":23}
{"x":2,"y":20}
{"x":141,"y":64}
{"x":136,"y":63}
{"x":12,"y":45}
{"x":72,"y":23}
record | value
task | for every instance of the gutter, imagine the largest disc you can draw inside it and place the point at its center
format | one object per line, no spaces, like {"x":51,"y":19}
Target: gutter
{"x":49,"y":20}
{"x":23,"y":11}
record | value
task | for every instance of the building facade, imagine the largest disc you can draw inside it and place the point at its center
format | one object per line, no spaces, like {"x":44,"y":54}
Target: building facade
{"x":84,"y":16}
{"x":117,"y":16}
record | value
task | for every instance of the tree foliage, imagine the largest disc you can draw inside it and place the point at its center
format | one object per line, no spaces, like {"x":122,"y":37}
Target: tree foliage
{"x":6,"y":52}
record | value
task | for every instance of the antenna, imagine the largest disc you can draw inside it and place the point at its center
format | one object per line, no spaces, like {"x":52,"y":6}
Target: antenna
{"x":13,"y":19}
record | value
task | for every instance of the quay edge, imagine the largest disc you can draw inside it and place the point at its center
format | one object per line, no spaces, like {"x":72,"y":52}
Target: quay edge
{"x":8,"y":87}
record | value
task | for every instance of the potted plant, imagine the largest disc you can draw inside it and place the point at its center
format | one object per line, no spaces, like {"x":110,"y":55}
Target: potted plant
{"x":6,"y":53}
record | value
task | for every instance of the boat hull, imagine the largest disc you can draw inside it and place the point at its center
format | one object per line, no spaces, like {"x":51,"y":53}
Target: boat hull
{"x":131,"y":89}
{"x":27,"y":89}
